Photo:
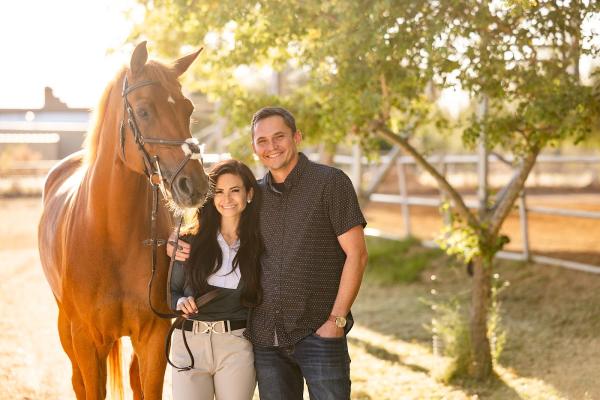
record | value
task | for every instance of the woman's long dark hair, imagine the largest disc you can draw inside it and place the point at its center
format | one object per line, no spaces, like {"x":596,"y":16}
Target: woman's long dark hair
{"x":205,"y":255}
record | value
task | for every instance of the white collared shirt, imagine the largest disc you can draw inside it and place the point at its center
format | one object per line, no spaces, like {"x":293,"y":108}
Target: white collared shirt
{"x":224,"y":277}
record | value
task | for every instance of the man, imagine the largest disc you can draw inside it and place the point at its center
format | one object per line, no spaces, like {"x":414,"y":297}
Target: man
{"x":314,"y":259}
{"x":312,"y":267}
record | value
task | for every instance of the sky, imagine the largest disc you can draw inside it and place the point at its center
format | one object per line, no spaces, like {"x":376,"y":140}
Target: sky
{"x":76,"y":47}
{"x":64,"y":44}
{"x":73,"y":46}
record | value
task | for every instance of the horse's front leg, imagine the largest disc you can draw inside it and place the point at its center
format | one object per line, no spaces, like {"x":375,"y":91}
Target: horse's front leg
{"x":66,"y":339}
{"x":150,"y":351}
{"x":91,"y":358}
{"x":135,"y":379}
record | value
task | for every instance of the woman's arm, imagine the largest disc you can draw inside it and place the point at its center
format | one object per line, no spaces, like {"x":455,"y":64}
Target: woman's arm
{"x":177,"y":283}
{"x":179,"y":301}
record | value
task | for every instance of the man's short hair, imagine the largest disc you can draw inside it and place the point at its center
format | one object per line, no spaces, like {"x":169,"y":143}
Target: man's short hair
{"x":267,"y":112}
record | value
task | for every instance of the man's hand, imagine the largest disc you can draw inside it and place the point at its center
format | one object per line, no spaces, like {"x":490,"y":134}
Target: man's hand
{"x":187,"y":305}
{"x":329,"y":330}
{"x":183,"y":248}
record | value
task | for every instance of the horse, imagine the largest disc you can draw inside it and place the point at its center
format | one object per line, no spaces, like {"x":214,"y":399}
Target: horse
{"x":96,"y":208}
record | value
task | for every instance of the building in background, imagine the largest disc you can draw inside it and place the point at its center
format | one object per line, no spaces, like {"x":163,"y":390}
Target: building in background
{"x":51,"y":132}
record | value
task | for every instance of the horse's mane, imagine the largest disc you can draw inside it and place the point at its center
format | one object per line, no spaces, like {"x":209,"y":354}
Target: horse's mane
{"x":152,"y":70}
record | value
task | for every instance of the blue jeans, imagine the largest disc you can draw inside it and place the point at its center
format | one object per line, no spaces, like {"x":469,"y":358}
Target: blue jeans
{"x":323,"y":362}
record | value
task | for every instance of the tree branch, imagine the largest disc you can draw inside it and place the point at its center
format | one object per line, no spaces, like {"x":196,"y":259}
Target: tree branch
{"x":385,"y":95}
{"x":386,"y":133}
{"x":507,"y":197}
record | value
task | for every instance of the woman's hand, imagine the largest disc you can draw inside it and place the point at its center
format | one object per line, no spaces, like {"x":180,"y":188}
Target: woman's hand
{"x":187,"y":305}
{"x":183,"y":248}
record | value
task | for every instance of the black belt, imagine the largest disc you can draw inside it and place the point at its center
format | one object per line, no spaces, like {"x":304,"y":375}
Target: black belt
{"x":188,"y":324}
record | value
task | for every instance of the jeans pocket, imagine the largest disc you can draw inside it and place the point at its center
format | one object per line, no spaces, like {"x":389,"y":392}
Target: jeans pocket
{"x":337,"y":339}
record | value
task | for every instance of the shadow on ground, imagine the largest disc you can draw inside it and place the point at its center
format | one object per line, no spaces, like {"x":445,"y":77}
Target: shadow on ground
{"x":551,"y":316}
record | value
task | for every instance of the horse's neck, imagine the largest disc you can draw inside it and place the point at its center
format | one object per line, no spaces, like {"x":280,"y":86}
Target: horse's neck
{"x":120,"y":200}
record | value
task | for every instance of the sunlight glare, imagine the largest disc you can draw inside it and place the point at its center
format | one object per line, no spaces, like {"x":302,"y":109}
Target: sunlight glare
{"x":64,"y":44}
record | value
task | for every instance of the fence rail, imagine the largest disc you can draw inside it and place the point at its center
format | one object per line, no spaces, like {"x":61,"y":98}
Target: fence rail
{"x":394,"y":159}
{"x":405,"y":200}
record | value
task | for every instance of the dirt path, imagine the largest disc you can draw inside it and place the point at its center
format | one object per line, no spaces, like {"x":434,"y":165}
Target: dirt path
{"x":32,"y":366}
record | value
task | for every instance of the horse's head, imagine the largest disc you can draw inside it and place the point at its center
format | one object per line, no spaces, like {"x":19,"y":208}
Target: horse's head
{"x":155,"y":134}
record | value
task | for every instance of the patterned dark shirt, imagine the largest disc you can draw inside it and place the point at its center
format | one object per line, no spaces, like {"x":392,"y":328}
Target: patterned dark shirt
{"x":303,"y":260}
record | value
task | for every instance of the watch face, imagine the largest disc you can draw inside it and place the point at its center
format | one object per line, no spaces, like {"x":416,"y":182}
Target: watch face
{"x":340,"y":322}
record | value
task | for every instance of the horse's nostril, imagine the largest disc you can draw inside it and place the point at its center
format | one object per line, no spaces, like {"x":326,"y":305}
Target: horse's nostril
{"x":184,"y":185}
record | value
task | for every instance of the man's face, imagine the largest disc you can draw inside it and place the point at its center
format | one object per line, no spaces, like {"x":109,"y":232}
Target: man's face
{"x":275,"y":144}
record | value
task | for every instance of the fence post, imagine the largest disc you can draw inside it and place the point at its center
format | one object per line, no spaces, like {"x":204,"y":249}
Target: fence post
{"x":357,"y":168}
{"x":524,"y":226}
{"x":446,"y":213}
{"x":404,"y":196}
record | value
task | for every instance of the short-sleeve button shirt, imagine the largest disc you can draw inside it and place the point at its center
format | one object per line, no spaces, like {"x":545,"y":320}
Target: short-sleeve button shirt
{"x":303,"y":260}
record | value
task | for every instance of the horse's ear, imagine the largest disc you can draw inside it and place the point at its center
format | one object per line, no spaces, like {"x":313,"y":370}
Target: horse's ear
{"x":138,"y":58}
{"x":181,"y":65}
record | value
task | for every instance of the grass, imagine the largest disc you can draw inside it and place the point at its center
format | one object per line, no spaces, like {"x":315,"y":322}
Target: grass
{"x":393,"y":262}
{"x":551,"y":316}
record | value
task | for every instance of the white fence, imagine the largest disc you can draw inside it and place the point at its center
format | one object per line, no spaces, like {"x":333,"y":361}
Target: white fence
{"x":361,"y":170}
{"x":394,"y":160}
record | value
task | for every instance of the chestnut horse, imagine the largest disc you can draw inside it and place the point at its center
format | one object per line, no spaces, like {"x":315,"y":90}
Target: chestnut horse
{"x":96,"y":215}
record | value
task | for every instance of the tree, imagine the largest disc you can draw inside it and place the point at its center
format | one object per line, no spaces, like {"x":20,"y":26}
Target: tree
{"x":369,"y":67}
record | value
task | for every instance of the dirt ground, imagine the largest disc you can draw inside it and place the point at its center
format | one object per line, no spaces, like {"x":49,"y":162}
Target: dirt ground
{"x":390,"y":351}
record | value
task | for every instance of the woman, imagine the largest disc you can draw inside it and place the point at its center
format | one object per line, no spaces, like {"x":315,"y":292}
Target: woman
{"x":225,"y":255}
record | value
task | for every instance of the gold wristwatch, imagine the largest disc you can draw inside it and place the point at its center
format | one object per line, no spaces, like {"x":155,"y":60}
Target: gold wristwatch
{"x":340,"y":322}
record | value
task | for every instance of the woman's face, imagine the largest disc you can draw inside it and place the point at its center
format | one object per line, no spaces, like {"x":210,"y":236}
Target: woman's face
{"x":231,"y":196}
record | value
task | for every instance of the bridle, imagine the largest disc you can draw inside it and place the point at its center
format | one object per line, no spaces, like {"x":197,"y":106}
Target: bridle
{"x":190,"y":146}
{"x":193,"y":151}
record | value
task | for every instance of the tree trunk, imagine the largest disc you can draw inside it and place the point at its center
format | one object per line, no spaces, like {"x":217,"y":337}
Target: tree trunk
{"x":480,"y":300}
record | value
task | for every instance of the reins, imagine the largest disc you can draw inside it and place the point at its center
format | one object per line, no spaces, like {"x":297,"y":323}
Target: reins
{"x":192,"y":150}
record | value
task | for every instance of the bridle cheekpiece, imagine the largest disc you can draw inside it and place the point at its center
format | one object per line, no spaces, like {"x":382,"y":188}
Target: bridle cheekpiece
{"x":191,"y":148}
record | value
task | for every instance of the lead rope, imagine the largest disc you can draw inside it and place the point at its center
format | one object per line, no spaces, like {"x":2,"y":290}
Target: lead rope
{"x":154,"y":242}
{"x":202,"y":300}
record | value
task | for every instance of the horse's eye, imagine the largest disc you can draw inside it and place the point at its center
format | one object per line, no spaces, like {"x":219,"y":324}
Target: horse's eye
{"x":142,"y":113}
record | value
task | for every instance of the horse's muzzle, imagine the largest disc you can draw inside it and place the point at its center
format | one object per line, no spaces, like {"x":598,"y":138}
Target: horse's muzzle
{"x":188,"y":192}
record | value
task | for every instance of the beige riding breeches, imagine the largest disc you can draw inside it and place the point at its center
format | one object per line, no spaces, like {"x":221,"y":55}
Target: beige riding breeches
{"x":223,"y":366}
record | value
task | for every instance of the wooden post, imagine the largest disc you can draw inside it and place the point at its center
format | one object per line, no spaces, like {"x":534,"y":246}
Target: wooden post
{"x":404,"y":196}
{"x":357,"y":168}
{"x":447,"y":214}
{"x":523,"y":222}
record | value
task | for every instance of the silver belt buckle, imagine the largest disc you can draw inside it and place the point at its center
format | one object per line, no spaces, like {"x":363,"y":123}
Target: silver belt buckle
{"x":217,"y":324}
{"x":200,"y":327}
{"x":209,"y":326}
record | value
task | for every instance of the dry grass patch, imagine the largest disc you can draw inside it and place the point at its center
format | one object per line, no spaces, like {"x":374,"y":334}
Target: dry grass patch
{"x":552,"y":317}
